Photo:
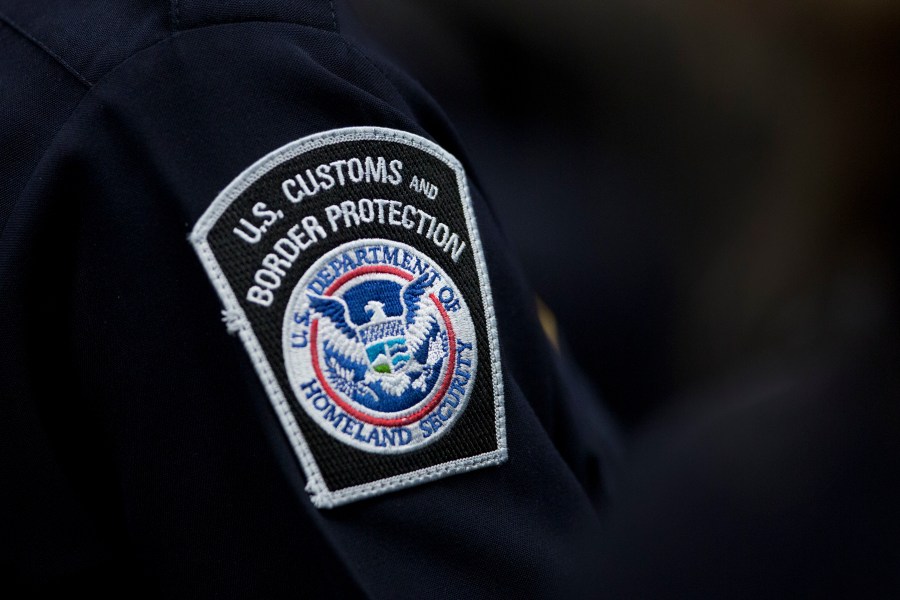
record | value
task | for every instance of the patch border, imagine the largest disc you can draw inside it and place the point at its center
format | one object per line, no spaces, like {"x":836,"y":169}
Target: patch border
{"x":237,"y":320}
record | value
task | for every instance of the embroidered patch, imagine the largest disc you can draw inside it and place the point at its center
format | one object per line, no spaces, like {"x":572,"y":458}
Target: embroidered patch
{"x":350,"y":264}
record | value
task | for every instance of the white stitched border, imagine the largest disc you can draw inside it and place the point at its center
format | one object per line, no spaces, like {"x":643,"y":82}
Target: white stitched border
{"x":320,"y":495}
{"x":331,"y":499}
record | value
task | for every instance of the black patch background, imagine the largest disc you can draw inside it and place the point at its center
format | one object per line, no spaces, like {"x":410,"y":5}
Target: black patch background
{"x":341,"y":465}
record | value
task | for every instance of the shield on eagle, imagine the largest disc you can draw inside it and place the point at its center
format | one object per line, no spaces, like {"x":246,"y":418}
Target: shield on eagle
{"x":385,"y":341}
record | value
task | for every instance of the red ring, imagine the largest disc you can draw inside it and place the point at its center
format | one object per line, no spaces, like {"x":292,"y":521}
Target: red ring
{"x":313,"y":334}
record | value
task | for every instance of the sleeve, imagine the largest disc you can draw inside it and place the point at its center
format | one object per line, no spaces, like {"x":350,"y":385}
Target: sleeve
{"x":165,"y":425}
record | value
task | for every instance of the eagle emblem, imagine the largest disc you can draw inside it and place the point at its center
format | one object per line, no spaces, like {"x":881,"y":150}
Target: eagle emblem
{"x":391,"y":359}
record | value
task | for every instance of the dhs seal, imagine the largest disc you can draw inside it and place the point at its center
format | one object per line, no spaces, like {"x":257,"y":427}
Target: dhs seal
{"x":379,"y":346}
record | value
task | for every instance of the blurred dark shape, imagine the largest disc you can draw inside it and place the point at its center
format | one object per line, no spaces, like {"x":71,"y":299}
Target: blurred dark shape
{"x":704,"y":193}
{"x":694,"y":188}
{"x":780,"y":484}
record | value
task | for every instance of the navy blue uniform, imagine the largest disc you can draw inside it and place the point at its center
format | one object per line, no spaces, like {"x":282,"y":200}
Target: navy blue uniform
{"x":141,"y":452}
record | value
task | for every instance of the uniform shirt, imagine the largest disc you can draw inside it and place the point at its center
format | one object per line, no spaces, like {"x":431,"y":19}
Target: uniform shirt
{"x":141,"y":452}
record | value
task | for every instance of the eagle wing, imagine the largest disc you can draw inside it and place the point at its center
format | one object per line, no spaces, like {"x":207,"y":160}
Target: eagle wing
{"x":421,"y":324}
{"x":335,"y":326}
{"x":412,"y":297}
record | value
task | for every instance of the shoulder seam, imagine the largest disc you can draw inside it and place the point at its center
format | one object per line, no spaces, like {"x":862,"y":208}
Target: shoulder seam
{"x":89,"y":86}
{"x":175,"y":20}
{"x":46,"y":50}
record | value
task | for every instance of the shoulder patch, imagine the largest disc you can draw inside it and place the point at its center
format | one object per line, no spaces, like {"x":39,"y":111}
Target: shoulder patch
{"x":350,"y":264}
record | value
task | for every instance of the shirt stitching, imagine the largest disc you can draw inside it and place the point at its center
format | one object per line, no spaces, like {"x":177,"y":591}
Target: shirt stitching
{"x":173,"y":15}
{"x":59,"y":60}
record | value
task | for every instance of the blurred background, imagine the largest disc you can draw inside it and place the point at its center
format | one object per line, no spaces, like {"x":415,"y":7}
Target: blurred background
{"x":697,"y":189}
{"x":704,"y":194}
